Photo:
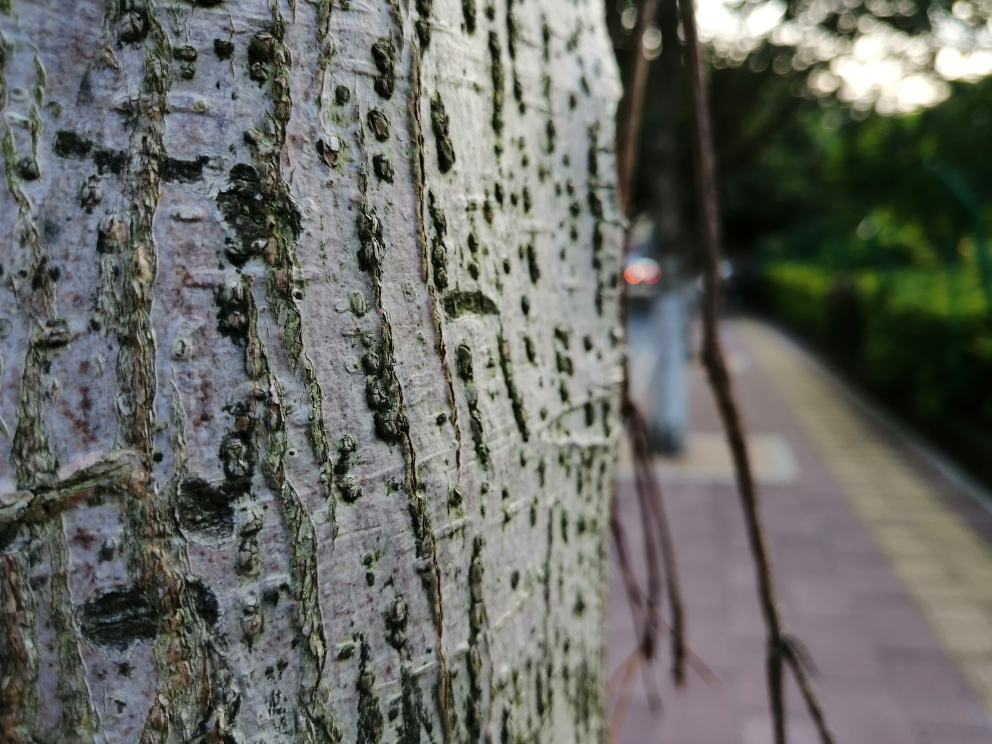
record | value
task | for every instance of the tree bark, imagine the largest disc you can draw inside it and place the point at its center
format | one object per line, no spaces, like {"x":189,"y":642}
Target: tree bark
{"x":310,"y":370}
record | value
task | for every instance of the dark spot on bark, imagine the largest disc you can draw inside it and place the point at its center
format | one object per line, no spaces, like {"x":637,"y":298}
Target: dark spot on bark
{"x":463,"y":362}
{"x":328,"y":152}
{"x":532,"y":265}
{"x":109,"y":160}
{"x":371,"y":362}
{"x":232,"y":313}
{"x":185,"y":53}
{"x":496,"y":72}
{"x":204,"y":602}
{"x":516,"y":399}
{"x":595,"y":205}
{"x":382,"y":55}
{"x":250,"y":212}
{"x":423,"y":27}
{"x":439,"y":252}
{"x":118,"y":618}
{"x":379,"y":124}
{"x":54,"y":334}
{"x":525,"y":305}
{"x":132,"y":26}
{"x":342,"y":94}
{"x":440,"y":125}
{"x":468,"y":14}
{"x":28,"y":168}
{"x":71,"y":146}
{"x":371,"y":252}
{"x":369,"y":714}
{"x":183,"y":171}
{"x":396,"y":620}
{"x":351,"y":491}
{"x":107,"y":551}
{"x":457,"y":304}
{"x":204,"y":510}
{"x":383,"y":168}
{"x":511,"y":30}
{"x":261,"y":53}
{"x":223,"y":49}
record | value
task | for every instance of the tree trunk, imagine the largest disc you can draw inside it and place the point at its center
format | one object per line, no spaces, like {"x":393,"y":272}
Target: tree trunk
{"x":310,"y":370}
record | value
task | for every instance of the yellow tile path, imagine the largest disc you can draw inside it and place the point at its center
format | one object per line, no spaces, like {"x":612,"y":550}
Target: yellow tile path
{"x":945,"y":567}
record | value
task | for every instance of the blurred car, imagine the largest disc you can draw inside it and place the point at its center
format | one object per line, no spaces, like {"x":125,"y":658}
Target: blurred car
{"x":641,"y":275}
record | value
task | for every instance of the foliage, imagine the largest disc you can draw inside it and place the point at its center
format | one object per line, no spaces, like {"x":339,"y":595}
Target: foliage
{"x":884,"y":192}
{"x":923,"y":339}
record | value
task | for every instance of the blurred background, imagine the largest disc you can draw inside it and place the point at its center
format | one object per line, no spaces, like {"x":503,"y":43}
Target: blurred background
{"x":854,"y":158}
{"x":854,"y":155}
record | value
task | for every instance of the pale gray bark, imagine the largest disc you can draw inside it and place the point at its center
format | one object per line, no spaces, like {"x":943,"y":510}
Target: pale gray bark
{"x":310,"y":370}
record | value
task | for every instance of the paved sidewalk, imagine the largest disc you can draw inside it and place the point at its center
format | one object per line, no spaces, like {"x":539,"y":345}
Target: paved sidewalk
{"x":882,"y":568}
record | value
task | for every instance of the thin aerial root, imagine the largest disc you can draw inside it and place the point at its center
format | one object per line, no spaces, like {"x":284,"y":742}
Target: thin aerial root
{"x":781,"y":648}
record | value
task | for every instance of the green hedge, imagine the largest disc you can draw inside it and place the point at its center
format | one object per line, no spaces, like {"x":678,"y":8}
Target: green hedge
{"x":921,"y":338}
{"x":798,"y":293}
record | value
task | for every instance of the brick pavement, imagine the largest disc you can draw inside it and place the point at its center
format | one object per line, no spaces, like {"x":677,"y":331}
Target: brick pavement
{"x":881,"y":565}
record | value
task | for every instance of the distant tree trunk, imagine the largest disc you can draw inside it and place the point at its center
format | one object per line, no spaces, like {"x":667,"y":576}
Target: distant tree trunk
{"x":310,"y":370}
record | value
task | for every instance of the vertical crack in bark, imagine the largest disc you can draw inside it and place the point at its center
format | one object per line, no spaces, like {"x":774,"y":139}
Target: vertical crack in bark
{"x":315,"y":723}
{"x":369,"y":712}
{"x":393,"y":427}
{"x":34,"y":462}
{"x":596,"y":209}
{"x":284,"y":285}
{"x":426,"y":545}
{"x":34,"y":286}
{"x":193,"y":684}
{"x":414,"y":714}
{"x":426,"y":262}
{"x":79,"y":718}
{"x":547,"y":645}
{"x":516,"y":398}
{"x":284,"y":289}
{"x":19,"y":652}
{"x":325,"y":46}
{"x":478,"y":637}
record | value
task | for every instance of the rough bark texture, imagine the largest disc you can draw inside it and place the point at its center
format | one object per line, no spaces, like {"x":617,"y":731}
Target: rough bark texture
{"x":310,"y":370}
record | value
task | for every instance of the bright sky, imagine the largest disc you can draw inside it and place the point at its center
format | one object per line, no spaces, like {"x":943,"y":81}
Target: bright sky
{"x":880,"y":66}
